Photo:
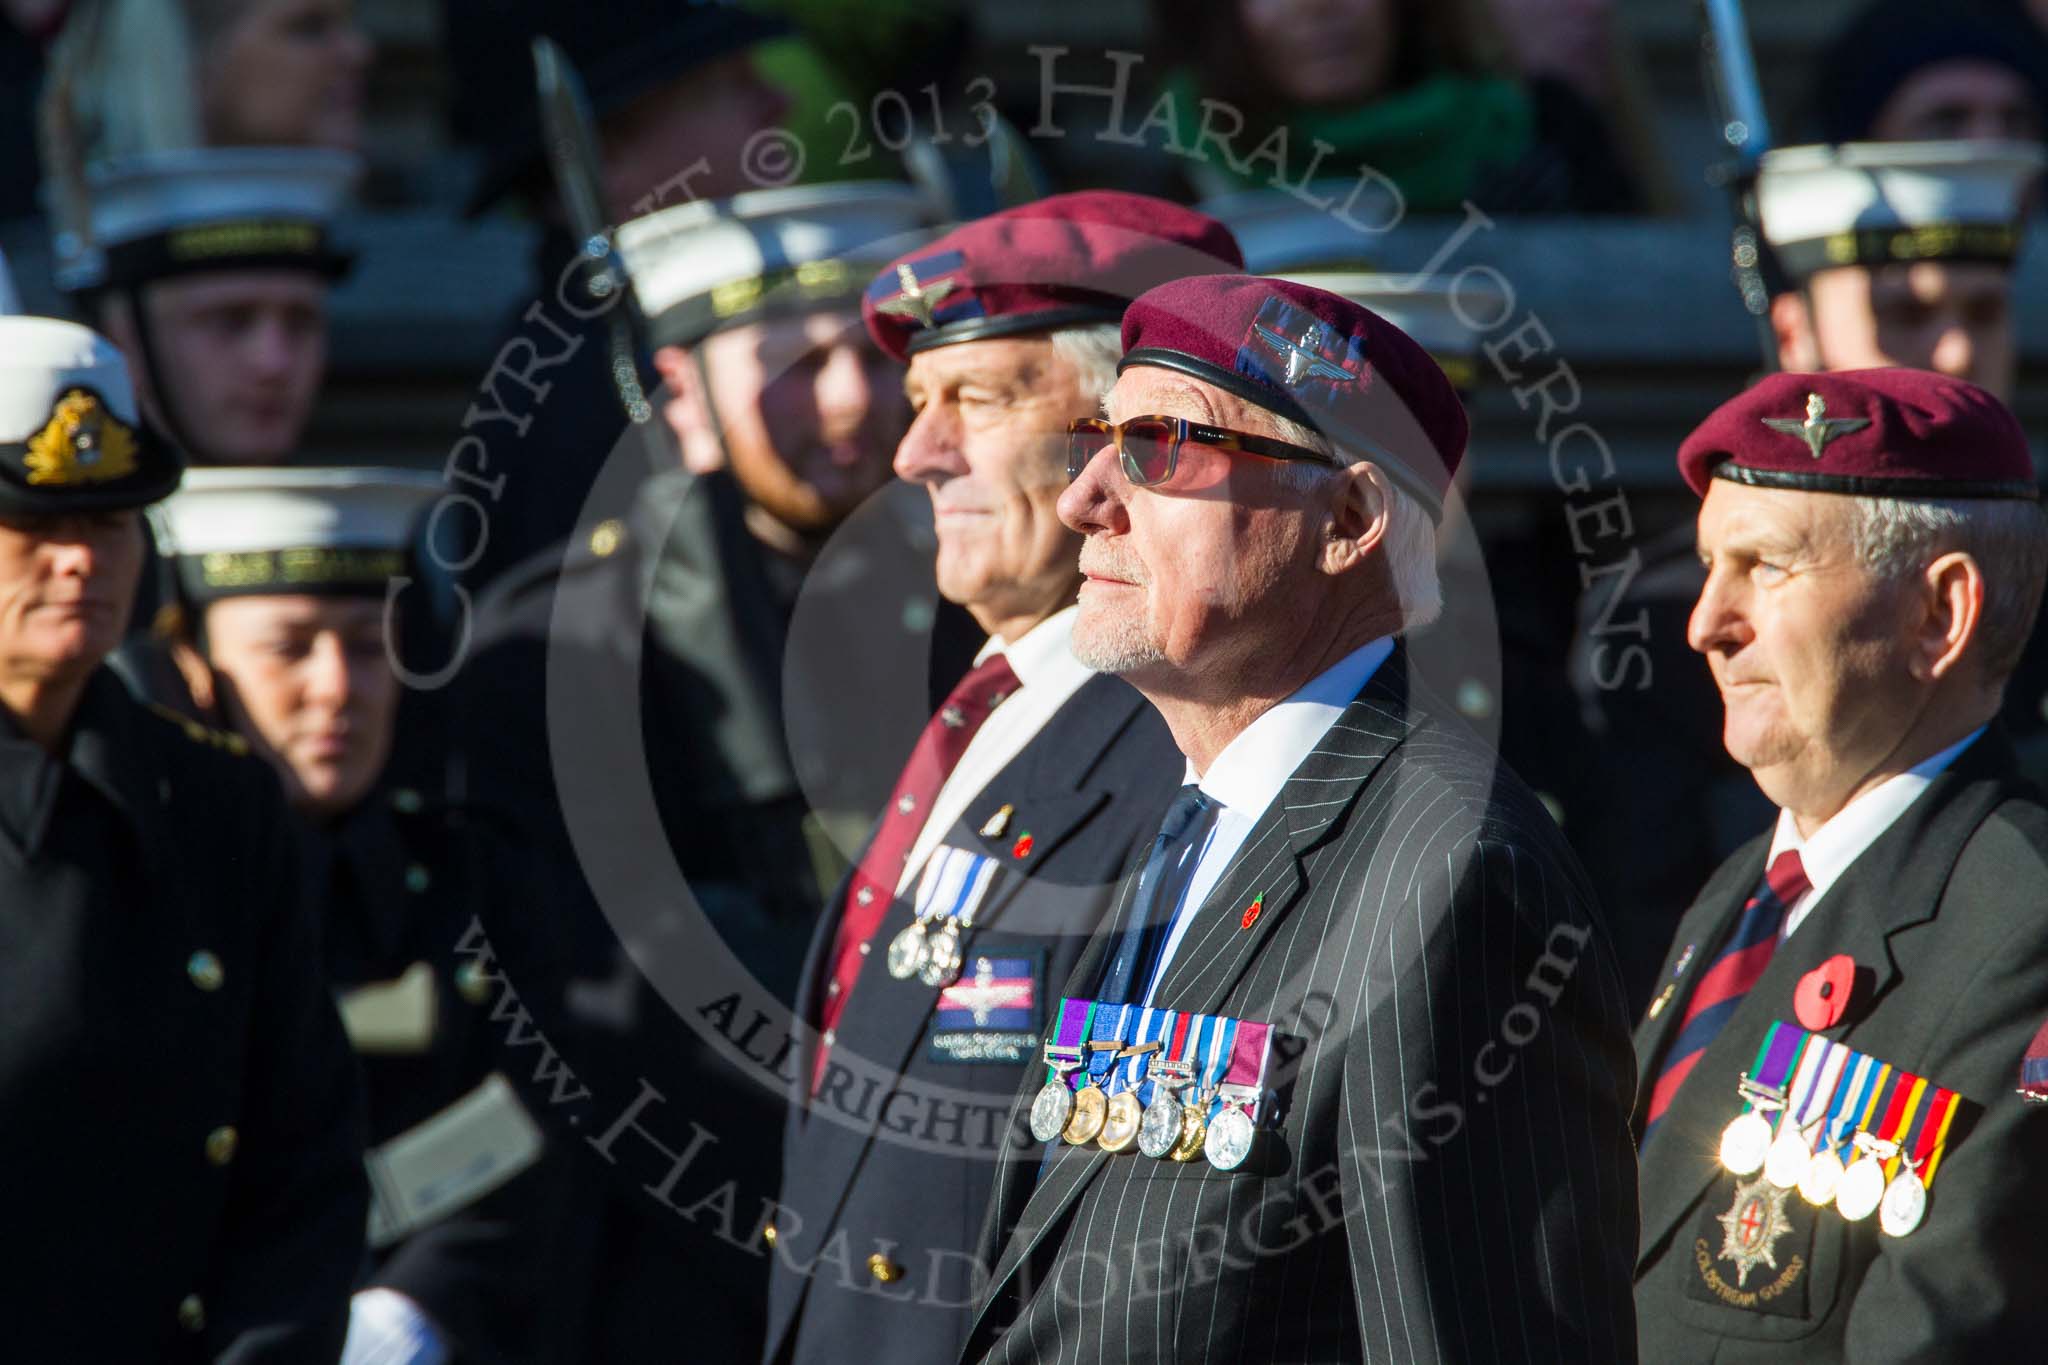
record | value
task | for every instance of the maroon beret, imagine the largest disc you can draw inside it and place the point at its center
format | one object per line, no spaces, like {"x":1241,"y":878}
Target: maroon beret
{"x":1314,"y":357}
{"x":1889,"y":433}
{"x":1065,"y":261}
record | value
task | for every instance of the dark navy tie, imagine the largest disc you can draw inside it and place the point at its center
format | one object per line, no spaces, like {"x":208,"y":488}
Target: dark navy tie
{"x":1167,"y":871}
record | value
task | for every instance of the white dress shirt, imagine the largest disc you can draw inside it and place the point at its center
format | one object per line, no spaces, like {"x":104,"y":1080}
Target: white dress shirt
{"x":1841,"y":841}
{"x":1250,"y":772}
{"x":1047,"y":674}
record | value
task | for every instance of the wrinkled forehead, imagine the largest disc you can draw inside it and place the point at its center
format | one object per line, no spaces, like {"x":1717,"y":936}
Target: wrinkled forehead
{"x":1739,"y":518}
{"x":994,"y":361}
{"x":1147,"y":390}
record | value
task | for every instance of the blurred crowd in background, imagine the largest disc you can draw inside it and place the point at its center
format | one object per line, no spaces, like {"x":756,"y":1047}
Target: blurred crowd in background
{"x":439,"y":264}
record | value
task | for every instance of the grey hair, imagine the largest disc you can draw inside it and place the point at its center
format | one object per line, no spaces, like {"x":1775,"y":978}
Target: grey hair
{"x":1093,"y":349}
{"x":2008,"y":537}
{"x":1411,"y":536}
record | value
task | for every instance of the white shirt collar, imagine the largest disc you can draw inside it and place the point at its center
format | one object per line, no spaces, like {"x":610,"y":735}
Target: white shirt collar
{"x":1040,"y":652}
{"x":1255,"y":765}
{"x":1835,"y":845}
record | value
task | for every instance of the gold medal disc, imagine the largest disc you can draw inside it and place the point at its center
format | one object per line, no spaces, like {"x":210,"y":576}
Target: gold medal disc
{"x":1091,"y":1110}
{"x":1121,"y":1119}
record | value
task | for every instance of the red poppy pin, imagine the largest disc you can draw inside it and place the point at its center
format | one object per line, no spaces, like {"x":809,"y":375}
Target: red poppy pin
{"x":1022,"y":848}
{"x":1823,"y":994}
{"x":1252,"y":912}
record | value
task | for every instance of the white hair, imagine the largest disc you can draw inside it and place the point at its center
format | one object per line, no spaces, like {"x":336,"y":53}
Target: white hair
{"x":1410,"y":539}
{"x":1093,"y":349}
{"x":1896,"y":538}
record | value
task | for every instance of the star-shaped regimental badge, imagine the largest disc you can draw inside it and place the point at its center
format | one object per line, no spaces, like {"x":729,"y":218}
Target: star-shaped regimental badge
{"x":916,"y":301}
{"x":1818,"y":428}
{"x":1754,"y":1223}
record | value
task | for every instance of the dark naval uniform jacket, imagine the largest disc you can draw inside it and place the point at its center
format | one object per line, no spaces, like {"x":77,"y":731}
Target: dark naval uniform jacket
{"x":1443,"y":1168}
{"x":1946,"y":918}
{"x":179,"y":1113}
{"x":887,"y":1172}
{"x":397,"y":881}
{"x":620,"y":723}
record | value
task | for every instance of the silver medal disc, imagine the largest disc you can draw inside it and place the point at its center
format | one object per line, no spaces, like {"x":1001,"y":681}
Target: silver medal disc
{"x":1862,"y":1187}
{"x":1823,"y":1177}
{"x":1904,"y":1204}
{"x":1786,"y":1162}
{"x":1050,"y":1110}
{"x":906,"y":951}
{"x":941,"y":966}
{"x":1229,"y":1140}
{"x":1745,"y":1142}
{"x":1159,"y":1132}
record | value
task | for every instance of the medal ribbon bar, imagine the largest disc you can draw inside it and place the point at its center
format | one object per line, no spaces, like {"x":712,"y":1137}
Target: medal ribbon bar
{"x":1860,"y":1077}
{"x":1212,"y":1057}
{"x":1077,"y":1018}
{"x":1932,"y":1138}
{"x":1247,"y":1071}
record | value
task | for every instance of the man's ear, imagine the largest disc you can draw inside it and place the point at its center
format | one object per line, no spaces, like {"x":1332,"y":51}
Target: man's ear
{"x":198,"y":676}
{"x":1953,"y":591}
{"x":1792,"y":326}
{"x":688,"y":410}
{"x":1359,"y":510}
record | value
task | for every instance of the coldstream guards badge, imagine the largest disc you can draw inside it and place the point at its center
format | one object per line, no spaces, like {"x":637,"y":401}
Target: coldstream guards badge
{"x":1754,"y":1223}
{"x":1756,"y":1254}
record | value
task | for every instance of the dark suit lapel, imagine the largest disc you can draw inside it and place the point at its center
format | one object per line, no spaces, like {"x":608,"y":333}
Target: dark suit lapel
{"x":1217,"y":949}
{"x":1219,"y":946}
{"x":1052,"y":795}
{"x":1701,"y":932}
{"x":1895,"y":884}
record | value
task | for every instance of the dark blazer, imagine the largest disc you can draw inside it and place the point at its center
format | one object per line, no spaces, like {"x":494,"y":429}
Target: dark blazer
{"x":896,"y":1157}
{"x":1946,"y":916}
{"x":181,"y":1115}
{"x":397,"y":884}
{"x":1449,"y":1174}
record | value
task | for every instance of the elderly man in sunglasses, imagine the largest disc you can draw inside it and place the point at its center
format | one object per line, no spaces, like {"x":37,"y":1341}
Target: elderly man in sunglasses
{"x":1359,"y":958}
{"x":936,"y":968}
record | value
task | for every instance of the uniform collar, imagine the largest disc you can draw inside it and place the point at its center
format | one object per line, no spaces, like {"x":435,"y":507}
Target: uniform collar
{"x":1041,"y":653}
{"x":1253,"y":767}
{"x":1827,"y":854}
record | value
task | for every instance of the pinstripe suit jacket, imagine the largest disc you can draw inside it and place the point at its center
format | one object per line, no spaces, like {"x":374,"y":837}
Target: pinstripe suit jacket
{"x":1449,"y":1176}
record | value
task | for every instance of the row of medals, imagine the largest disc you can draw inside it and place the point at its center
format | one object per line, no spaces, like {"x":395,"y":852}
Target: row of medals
{"x":1169,"y":1128}
{"x":934,"y":959}
{"x":1788,"y":1159}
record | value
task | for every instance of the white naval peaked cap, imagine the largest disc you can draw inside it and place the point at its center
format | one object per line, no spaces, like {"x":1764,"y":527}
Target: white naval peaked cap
{"x":1875,"y":203}
{"x":72,"y":437}
{"x":709,"y":264}
{"x":242,"y":531}
{"x":1445,"y":314}
{"x":163,"y":213}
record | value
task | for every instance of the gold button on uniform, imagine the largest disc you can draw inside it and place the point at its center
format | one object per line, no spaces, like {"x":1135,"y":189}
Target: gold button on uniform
{"x":883,"y":1269}
{"x":606,"y":537}
{"x":221,"y":1144}
{"x":205,"y":970}
{"x":769,"y":1234}
{"x":417,"y":878}
{"x":192,"y":1313}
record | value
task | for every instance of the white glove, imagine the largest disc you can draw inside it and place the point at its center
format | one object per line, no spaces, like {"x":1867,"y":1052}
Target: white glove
{"x":387,"y":1328}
